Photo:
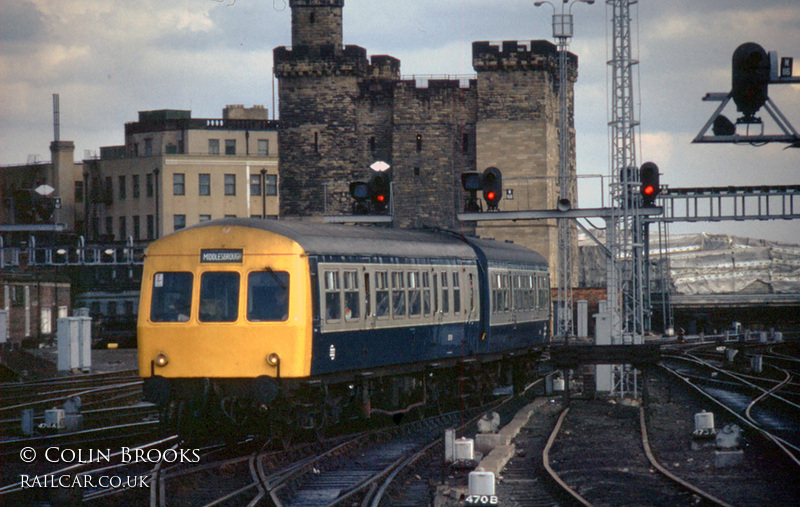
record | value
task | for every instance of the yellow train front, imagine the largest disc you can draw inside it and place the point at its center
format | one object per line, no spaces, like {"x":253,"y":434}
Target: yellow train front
{"x":313,"y":323}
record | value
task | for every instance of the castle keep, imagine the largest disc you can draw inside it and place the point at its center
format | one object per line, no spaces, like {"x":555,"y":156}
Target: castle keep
{"x":341,"y":111}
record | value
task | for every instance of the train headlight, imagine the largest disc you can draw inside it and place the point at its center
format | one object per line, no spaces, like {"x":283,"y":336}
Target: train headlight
{"x":161,"y":359}
{"x":273,"y":359}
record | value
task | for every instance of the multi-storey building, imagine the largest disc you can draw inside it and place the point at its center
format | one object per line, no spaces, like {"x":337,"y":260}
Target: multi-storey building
{"x":341,"y":111}
{"x":175,"y":171}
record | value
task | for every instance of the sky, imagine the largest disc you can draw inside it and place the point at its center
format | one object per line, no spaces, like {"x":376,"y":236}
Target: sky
{"x":109,"y":59}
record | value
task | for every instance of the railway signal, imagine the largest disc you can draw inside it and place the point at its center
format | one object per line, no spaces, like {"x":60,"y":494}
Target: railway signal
{"x":750,"y":80}
{"x":650,"y":183}
{"x":380,"y":192}
{"x":492,"y":184}
{"x":360,"y":192}
{"x":472,"y":182}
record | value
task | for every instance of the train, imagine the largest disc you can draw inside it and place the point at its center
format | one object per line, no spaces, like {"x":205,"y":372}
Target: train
{"x":299,"y":325}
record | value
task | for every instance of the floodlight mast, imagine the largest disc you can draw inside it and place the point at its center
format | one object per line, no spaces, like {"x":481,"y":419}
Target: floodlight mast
{"x":563,"y":32}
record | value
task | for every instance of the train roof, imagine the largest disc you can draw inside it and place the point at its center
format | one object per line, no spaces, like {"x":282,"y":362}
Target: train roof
{"x":347,"y":240}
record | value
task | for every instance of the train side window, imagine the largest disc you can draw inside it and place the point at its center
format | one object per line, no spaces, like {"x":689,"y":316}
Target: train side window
{"x":351,"y":299}
{"x":171,"y":298}
{"x":471,"y":293}
{"x":414,"y":294}
{"x":496,"y":304}
{"x":367,"y":295}
{"x":426,"y":293}
{"x":333,"y":298}
{"x":398,"y":294}
{"x":267,"y":296}
{"x":381,"y":294}
{"x":445,"y":294}
{"x":435,"y":293}
{"x":219,"y":296}
{"x":456,"y":293}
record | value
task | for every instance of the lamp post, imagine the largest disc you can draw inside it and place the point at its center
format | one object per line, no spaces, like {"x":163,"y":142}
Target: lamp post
{"x":562,"y":32}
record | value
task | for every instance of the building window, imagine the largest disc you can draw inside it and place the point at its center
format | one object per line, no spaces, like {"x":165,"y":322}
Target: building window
{"x":148,"y":147}
{"x":123,"y":228}
{"x":213,"y":146}
{"x":110,"y":225}
{"x":372,"y":144}
{"x":123,"y":191}
{"x":135,"y":186}
{"x":255,"y":184}
{"x":137,"y":232}
{"x":204,"y":180}
{"x":149,"y":184}
{"x":151,"y":227}
{"x":79,"y":191}
{"x":316,"y":142}
{"x":263,"y":147}
{"x":205,"y":218}
{"x":230,"y":184}
{"x":178,"y":184}
{"x":465,"y":143}
{"x":230,"y":146}
{"x":272,"y":184}
{"x":419,"y":143}
{"x":178,"y":222}
{"x":109,"y":190}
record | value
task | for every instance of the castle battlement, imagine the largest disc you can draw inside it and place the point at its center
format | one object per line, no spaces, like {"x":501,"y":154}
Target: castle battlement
{"x":518,"y":55}
{"x":320,"y":60}
{"x":316,"y":3}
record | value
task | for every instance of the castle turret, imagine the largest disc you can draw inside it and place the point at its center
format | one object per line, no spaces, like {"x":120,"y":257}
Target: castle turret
{"x":316,"y":22}
{"x":517,"y":132}
{"x":318,"y":80}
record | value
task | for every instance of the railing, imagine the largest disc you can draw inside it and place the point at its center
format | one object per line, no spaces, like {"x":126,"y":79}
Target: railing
{"x":71,"y":255}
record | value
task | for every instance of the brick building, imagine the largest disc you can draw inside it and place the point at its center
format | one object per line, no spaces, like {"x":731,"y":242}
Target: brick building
{"x":341,"y":111}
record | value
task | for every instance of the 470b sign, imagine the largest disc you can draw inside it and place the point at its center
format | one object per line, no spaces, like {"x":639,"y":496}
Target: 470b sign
{"x":482,"y":500}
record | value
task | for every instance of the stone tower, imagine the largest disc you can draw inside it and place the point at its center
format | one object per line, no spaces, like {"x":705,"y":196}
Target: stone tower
{"x":319,"y":139}
{"x":517,"y":132}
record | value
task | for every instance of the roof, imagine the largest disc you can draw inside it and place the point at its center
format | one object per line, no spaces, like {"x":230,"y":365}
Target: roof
{"x":333,"y":239}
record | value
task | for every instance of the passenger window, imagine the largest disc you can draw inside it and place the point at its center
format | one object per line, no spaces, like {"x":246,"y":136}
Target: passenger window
{"x":172,"y":297}
{"x":445,"y":294}
{"x":333,"y":298}
{"x":351,"y":306}
{"x":414,"y":300}
{"x":398,"y":294}
{"x":219,"y":296}
{"x":426,"y":293}
{"x":382,"y":294}
{"x":367,"y":291}
{"x":456,"y":294}
{"x":268,"y":296}
{"x":471,"y":294}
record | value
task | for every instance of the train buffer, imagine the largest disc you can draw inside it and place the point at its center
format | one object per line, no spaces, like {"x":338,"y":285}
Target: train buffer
{"x":571,"y":355}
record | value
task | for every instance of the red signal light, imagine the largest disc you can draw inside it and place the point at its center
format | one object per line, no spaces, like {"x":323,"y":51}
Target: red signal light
{"x":380,"y":198}
{"x":648,"y":190}
{"x":490,"y":196}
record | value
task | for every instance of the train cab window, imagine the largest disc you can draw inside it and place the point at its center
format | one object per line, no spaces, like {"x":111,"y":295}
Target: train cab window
{"x":171,"y":298}
{"x":219,"y":296}
{"x":351,"y":304}
{"x":414,"y":293}
{"x":267,"y":296}
{"x":456,"y":294}
{"x":381,"y":294}
{"x":333,"y":298}
{"x":398,"y":294}
{"x":445,"y":294}
{"x":426,"y":293}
